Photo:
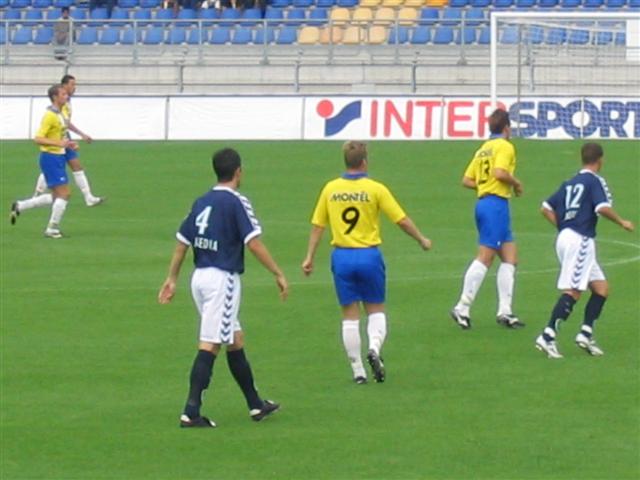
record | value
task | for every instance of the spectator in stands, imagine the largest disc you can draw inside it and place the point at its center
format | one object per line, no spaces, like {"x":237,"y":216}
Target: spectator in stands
{"x":176,"y":4}
{"x":62,"y":27}
{"x":109,"y":4}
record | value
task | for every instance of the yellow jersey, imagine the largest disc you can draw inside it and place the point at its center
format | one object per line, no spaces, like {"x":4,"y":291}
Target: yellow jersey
{"x":54,"y":127}
{"x":494,"y":153}
{"x":351,"y":205}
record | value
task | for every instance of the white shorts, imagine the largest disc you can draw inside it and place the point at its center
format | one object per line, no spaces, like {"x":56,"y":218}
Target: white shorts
{"x":578,"y":263}
{"x":216,"y":294}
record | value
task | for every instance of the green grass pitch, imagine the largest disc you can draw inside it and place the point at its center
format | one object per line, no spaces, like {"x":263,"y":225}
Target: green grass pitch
{"x":94,"y":372}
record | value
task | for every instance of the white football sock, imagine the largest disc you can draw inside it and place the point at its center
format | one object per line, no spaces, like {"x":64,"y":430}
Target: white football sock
{"x":57,"y":211}
{"x":351,"y":341}
{"x":472,"y":281}
{"x":377,"y":331}
{"x":35,"y":202}
{"x":41,"y":185}
{"x":83,"y":184}
{"x":505,"y":282}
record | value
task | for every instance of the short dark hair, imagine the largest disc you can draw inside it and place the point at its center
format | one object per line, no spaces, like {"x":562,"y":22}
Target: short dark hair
{"x":225,"y":163}
{"x":498,"y":121}
{"x":53,"y":91}
{"x":65,"y":9}
{"x":66,"y":79}
{"x":354,"y":153}
{"x":591,"y":153}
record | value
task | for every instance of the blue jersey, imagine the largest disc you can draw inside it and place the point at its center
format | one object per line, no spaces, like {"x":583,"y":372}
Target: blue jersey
{"x":577,"y":202}
{"x":220,"y":223}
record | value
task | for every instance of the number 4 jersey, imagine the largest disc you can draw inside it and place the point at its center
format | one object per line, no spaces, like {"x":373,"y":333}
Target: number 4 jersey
{"x":577,"y":201}
{"x":220,"y":223}
{"x":351,"y":205}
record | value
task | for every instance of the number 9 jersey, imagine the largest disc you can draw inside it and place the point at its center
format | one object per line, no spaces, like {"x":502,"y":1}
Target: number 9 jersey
{"x":494,"y":153}
{"x":351,"y":205}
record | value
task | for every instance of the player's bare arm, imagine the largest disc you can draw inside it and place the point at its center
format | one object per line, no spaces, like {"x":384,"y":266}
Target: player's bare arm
{"x":260,"y":251}
{"x":610,"y":214}
{"x":314,"y":240}
{"x":407,"y":225}
{"x":168,"y":289}
{"x":469,"y":182}
{"x":550,"y":215}
{"x":506,"y":177}
{"x":84,"y":136}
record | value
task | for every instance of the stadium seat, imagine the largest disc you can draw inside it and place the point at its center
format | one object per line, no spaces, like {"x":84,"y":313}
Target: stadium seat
{"x":262,"y":36}
{"x":615,"y":4}
{"x":510,"y":36}
{"x":33,"y":15}
{"x":385,"y":16}
{"x":186,"y":17}
{"x":62,"y":3}
{"x":458,"y":3}
{"x":392,"y":3}
{"x":220,"y":35}
{"x":302,"y":3}
{"x":331,"y":35}
{"x":525,"y":3}
{"x":281,"y":3}
{"x":119,"y":13}
{"x":177,"y":36}
{"x":140,"y":16}
{"x":296,"y":16}
{"x":547,"y":3}
{"x":251,"y":16}
{"x":153,"y":36}
{"x":633,"y":3}
{"x":370,"y":3}
{"x":466,"y":36}
{"x":421,"y":35}
{"x":4,"y":3}
{"x":570,"y":4}
{"x":325,"y":3}
{"x":109,"y":36}
{"x":398,"y":35}
{"x":535,"y":35}
{"x":287,"y":35}
{"x":556,"y":36}
{"x":19,"y":4}
{"x":484,"y":38}
{"x":42,"y":3}
{"x":318,"y":16}
{"x":230,"y":16}
{"x":242,"y":36}
{"x":51,"y":16}
{"x":592,"y":3}
{"x":347,"y":3}
{"x":164,"y":15}
{"x":578,"y":37}
{"x":376,"y":35}
{"x":480,"y":3}
{"x":3,"y":36}
{"x":414,"y":3}
{"x":149,"y":3}
{"x":208,"y":15}
{"x":603,"y":38}
{"x":127,"y":3}
{"x":474,"y":17}
{"x":407,"y":16}
{"x":78,"y":15}
{"x":340,"y":16}
{"x":429,"y":16}
{"x":131,"y":36}
{"x":44,"y":36}
{"x":353,"y":35}
{"x":12,"y":14}
{"x":502,"y":3}
{"x":87,"y":36}
{"x":98,"y":15}
{"x":22,"y":36}
{"x":197,"y":36}
{"x":274,"y":16}
{"x":309,"y":35}
{"x":361,"y":15}
{"x":451,"y":16}
{"x":443,"y":35}
{"x":620,"y":38}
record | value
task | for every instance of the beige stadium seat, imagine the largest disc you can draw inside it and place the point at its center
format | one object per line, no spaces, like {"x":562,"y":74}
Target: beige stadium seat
{"x":377,"y":35}
{"x":392,"y":3}
{"x":370,"y":3}
{"x":414,"y":3}
{"x":353,"y":35}
{"x":385,"y":16}
{"x":362,"y":15}
{"x":437,"y":3}
{"x":309,"y":35}
{"x":340,"y":16}
{"x":331,"y":35}
{"x":407,"y":16}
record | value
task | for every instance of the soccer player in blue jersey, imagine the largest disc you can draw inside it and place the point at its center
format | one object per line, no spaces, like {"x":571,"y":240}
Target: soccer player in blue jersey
{"x":574,"y":209}
{"x":351,"y":205}
{"x":491,"y":174}
{"x":220,"y":224}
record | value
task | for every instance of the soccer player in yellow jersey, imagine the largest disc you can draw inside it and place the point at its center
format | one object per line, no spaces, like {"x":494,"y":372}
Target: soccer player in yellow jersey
{"x":53,"y":140}
{"x":491,"y":174}
{"x":351,"y":205}
{"x":69,"y":84}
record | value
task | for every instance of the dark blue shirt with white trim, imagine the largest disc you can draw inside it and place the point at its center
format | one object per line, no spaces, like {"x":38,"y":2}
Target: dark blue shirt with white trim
{"x":577,"y":201}
{"x":219,"y":225}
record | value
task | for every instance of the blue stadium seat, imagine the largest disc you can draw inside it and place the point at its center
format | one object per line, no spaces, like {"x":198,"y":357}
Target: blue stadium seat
{"x":296,"y":16}
{"x":480,"y":3}
{"x":556,"y":36}
{"x":421,"y":35}
{"x":274,"y":16}
{"x":547,"y":3}
{"x":621,"y":38}
{"x":347,"y":3}
{"x":153,"y":36}
{"x":578,"y":37}
{"x":35,"y":15}
{"x":164,"y":14}
{"x":474,"y":17}
{"x":62,"y":3}
{"x":592,"y":3}
{"x":140,"y":16}
{"x":525,"y":3}
{"x":127,"y":3}
{"x":41,"y":3}
{"x":109,"y":36}
{"x":443,"y":35}
{"x":207,"y":15}
{"x":177,"y":36}
{"x":484,"y":38}
{"x":458,"y":3}
{"x":4,"y":3}
{"x":22,"y":36}
{"x":503,"y":3}
{"x":302,"y":3}
{"x":251,"y":16}
{"x":98,"y":15}
{"x":603,"y":38}
{"x":451,"y":16}
{"x":131,"y":36}
{"x":398,"y":35}
{"x":88,"y":36}
{"x":535,"y":35}
{"x":20,"y":4}
{"x":3,"y":36}
{"x":261,"y":37}
{"x":570,"y":4}
{"x":230,"y":15}
{"x":149,"y":3}
{"x":78,"y":14}
{"x":633,"y":3}
{"x":12,"y":15}
{"x":242,"y":36}
{"x":318,"y":16}
{"x":220,"y":35}
{"x":51,"y":16}
{"x":187,"y":17}
{"x":325,"y":3}
{"x":429,"y":16}
{"x":197,"y":36}
{"x":44,"y":35}
{"x":281,"y":3}
{"x":615,"y":4}
{"x":510,"y":35}
{"x":466,"y":36}
{"x":287,"y":36}
{"x":119,"y":13}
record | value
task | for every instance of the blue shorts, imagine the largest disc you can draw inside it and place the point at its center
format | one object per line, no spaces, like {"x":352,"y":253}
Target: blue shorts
{"x":70,"y":154}
{"x":358,"y":275}
{"x":493,"y":221}
{"x":53,"y":168}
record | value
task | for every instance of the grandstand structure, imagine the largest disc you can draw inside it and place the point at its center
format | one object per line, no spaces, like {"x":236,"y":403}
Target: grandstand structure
{"x":303,"y":46}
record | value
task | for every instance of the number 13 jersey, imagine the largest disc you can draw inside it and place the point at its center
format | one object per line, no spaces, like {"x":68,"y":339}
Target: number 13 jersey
{"x":494,"y":153}
{"x":351,"y":204}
